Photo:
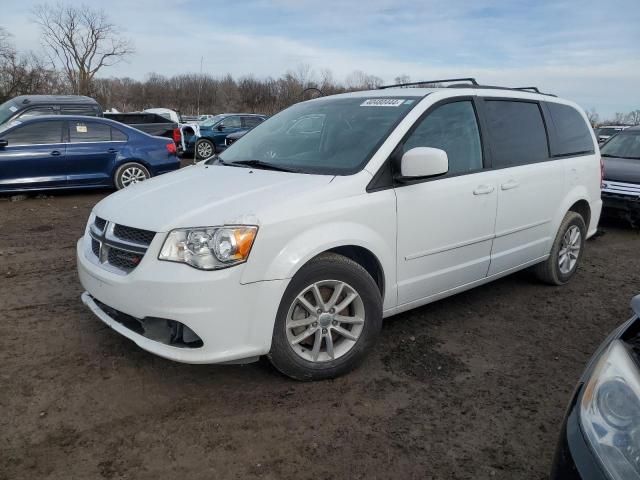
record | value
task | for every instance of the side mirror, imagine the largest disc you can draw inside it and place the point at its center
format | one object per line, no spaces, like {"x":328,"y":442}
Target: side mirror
{"x":3,"y":143}
{"x":220,"y":127}
{"x":423,"y":162}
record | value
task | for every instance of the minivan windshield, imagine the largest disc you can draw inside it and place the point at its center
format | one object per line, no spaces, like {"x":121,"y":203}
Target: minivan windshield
{"x":623,"y":145}
{"x":7,"y":109}
{"x":333,"y":136}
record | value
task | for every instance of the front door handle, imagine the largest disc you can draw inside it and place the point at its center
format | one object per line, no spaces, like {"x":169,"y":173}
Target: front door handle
{"x":483,"y":190}
{"x":112,"y":150}
{"x":56,"y":153}
{"x":509,"y":185}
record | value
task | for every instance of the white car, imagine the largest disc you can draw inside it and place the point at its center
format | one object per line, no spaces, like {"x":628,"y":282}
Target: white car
{"x":295,"y":243}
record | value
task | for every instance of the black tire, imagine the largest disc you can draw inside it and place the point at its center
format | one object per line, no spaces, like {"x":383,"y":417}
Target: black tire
{"x":120,"y":177}
{"x":549,"y":270}
{"x":204,"y":144}
{"x":327,"y":266}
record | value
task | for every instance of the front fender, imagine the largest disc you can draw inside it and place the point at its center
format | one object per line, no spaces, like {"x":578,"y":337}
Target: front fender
{"x":284,"y":260}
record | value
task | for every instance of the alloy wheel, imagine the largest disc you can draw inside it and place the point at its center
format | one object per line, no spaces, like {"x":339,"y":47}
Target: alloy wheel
{"x":569,"y":249}
{"x":325,"y":321}
{"x":132,"y":175}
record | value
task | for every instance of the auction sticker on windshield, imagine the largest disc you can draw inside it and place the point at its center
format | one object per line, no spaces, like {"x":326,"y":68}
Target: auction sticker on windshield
{"x":382,"y":102}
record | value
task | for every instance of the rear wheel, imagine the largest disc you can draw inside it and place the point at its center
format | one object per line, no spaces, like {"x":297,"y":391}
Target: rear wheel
{"x":204,"y":149}
{"x":329,"y":318}
{"x":566,"y":251}
{"x":129,"y":174}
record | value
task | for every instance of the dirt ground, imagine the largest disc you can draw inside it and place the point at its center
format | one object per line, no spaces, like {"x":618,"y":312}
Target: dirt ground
{"x":470,"y":387}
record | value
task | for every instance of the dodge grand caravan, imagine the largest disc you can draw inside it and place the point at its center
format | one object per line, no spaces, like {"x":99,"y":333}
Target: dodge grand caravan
{"x":296,"y":244}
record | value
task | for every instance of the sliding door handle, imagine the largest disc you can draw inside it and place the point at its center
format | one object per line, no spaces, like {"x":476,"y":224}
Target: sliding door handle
{"x":483,"y":190}
{"x":509,"y":185}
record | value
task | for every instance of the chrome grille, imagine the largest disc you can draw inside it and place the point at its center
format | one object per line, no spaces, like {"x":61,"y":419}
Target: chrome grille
{"x":135,"y":235}
{"x":119,"y":246}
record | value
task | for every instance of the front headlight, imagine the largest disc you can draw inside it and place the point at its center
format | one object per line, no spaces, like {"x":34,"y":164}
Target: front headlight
{"x":610,"y":412}
{"x":209,"y":248}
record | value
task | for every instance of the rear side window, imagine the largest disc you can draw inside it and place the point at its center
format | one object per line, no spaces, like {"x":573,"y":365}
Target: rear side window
{"x":79,"y":110}
{"x":84,"y":132}
{"x":251,"y":122}
{"x":118,"y":136}
{"x":572,"y":135}
{"x":40,"y":133}
{"x":454,"y":129}
{"x":518,"y":136}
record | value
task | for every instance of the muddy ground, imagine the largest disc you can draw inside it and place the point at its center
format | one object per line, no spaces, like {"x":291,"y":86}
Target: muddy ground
{"x":470,"y":387}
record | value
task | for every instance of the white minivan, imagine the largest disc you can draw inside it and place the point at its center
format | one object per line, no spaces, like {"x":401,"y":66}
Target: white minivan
{"x":337,"y":212}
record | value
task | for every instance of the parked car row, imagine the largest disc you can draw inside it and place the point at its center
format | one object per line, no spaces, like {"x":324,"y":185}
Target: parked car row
{"x":53,"y":152}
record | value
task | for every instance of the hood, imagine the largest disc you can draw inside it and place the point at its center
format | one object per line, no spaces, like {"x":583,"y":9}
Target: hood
{"x":203,"y":195}
{"x":626,"y":170}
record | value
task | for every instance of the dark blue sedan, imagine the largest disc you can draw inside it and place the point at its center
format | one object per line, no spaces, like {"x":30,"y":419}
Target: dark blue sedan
{"x":52,"y":152}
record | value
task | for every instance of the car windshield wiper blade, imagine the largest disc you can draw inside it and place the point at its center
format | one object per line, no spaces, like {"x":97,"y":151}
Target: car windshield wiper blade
{"x":212,"y":159}
{"x":261,"y":164}
{"x":619,"y":156}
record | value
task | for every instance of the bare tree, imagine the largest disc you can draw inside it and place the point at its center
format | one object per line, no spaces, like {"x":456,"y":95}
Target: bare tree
{"x":593,"y":116}
{"x":633,"y":117}
{"x":81,"y":40}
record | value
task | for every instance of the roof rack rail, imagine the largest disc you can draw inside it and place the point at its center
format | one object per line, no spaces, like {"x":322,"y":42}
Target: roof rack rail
{"x":526,"y":89}
{"x":472,"y":81}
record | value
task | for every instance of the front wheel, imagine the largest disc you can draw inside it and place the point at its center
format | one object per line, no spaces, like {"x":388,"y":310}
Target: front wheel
{"x":566,"y":251}
{"x":129,"y":174}
{"x":329,"y":318}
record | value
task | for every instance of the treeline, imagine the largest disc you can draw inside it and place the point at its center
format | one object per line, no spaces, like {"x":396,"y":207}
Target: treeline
{"x":191,"y":93}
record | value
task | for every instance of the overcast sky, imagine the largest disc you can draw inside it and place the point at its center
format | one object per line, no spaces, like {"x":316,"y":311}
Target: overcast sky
{"x":587,"y":51}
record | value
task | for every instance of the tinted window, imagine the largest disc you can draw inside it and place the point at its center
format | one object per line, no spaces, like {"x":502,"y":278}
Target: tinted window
{"x":232,"y":122}
{"x":572,"y":134}
{"x":517,"y":133}
{"x":7,"y":109}
{"x":251,"y":122}
{"x":454,"y":129}
{"x":39,"y":133}
{"x":118,"y":136}
{"x":83,"y":132}
{"x":79,"y":110}
{"x":36,"y":112}
{"x":624,"y":145}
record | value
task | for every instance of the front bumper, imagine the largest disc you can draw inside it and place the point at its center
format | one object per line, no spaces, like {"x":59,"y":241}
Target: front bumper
{"x":234,"y":321}
{"x":574,"y":458}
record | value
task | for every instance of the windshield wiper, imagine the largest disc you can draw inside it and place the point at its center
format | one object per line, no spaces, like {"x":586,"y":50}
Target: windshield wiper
{"x":261,"y":164}
{"x":619,"y":156}
{"x":212,"y":159}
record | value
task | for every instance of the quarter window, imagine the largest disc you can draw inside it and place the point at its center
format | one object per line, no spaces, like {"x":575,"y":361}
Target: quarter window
{"x":572,"y":135}
{"x":84,"y":132}
{"x":39,"y":133}
{"x":518,"y":136}
{"x":454,"y":129}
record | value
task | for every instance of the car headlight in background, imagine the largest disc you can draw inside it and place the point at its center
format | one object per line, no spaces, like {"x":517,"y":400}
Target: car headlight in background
{"x":610,"y":412}
{"x":209,"y":248}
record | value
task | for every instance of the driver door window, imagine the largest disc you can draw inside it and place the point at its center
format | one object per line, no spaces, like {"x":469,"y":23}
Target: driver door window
{"x":454,"y":129}
{"x":231,"y":122}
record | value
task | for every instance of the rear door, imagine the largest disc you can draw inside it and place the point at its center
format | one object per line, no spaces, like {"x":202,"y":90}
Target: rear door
{"x":34,"y":157}
{"x":530,"y":182}
{"x":91,"y":152}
